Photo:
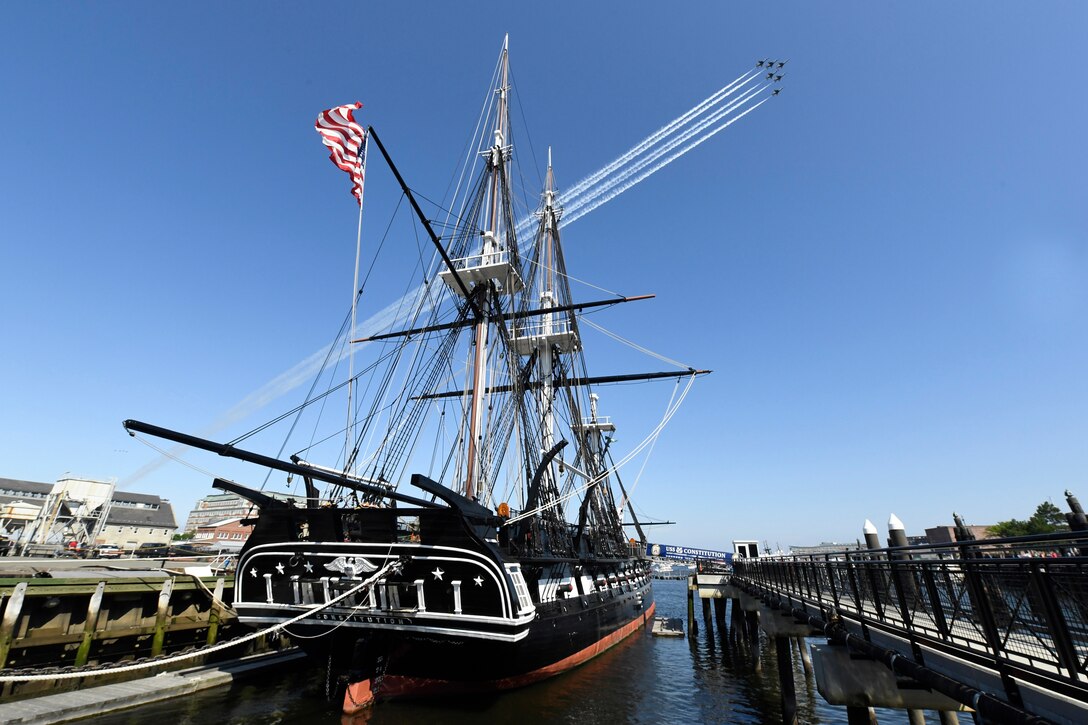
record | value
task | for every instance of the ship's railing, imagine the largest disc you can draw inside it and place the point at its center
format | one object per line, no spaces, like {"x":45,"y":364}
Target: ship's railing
{"x":542,"y":328}
{"x":481,"y":260}
{"x":1014,"y":605}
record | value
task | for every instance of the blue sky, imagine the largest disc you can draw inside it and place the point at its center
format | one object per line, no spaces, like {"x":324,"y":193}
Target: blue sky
{"x":886,"y":266}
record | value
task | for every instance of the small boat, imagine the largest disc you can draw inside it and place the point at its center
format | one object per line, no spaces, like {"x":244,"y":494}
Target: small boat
{"x":507,"y":562}
{"x":668,"y":627}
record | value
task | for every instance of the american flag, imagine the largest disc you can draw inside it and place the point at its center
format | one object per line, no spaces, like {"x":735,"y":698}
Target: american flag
{"x":347,"y":143}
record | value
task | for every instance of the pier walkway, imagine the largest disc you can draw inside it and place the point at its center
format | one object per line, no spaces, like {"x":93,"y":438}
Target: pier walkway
{"x":91,"y":701}
{"x":1000,"y":626}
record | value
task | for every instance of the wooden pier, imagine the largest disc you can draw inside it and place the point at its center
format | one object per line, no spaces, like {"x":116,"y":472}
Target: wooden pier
{"x":58,"y":615}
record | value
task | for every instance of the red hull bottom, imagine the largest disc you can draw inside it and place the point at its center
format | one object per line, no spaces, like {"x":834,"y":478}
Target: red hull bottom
{"x":359,"y":695}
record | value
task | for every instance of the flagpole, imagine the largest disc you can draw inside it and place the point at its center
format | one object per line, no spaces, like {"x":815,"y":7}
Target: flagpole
{"x":349,"y":431}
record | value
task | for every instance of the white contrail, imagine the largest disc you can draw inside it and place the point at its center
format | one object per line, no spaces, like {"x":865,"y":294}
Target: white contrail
{"x":416,"y":301}
{"x":660,"y":133}
{"x":661,"y":150}
{"x":657,"y":167}
{"x":575,"y":195}
{"x":298,"y":374}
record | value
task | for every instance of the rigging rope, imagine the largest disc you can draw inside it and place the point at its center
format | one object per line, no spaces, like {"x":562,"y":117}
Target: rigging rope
{"x":636,"y":346}
{"x":638,"y":477}
{"x":172,"y":457}
{"x":669,"y":413}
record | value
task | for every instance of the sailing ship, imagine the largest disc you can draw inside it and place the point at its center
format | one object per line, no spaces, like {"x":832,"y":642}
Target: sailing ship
{"x":452,"y":588}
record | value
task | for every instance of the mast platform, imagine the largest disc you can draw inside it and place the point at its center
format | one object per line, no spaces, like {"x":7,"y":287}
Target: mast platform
{"x":548,"y":333}
{"x":494,"y":266}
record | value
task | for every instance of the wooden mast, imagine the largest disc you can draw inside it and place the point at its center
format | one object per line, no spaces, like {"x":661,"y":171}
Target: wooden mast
{"x":490,"y":248}
{"x":547,"y":302}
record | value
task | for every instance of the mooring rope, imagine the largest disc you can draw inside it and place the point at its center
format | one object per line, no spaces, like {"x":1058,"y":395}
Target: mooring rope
{"x":205,"y":651}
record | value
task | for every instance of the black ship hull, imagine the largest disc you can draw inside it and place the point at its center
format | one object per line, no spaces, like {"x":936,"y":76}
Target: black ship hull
{"x":449,"y":612}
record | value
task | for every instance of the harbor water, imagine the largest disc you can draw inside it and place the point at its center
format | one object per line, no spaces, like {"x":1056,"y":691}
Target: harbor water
{"x":714,"y":678}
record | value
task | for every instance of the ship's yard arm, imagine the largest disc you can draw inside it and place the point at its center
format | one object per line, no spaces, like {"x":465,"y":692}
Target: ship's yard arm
{"x":223,"y":449}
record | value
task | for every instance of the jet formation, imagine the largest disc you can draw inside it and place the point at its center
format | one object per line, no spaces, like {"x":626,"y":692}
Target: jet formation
{"x":772,"y":67}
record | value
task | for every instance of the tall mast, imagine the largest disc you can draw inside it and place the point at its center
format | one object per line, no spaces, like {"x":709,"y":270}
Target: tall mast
{"x":491,"y":267}
{"x":550,"y":336}
{"x":547,"y":302}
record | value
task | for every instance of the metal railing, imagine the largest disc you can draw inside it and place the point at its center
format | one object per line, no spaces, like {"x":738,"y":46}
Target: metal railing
{"x":1018,"y":606}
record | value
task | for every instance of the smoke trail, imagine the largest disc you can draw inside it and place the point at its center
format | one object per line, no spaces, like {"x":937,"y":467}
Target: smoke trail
{"x":657,"y":153}
{"x":660,"y":133}
{"x":417,"y":299}
{"x":616,"y":192}
{"x":300,"y":373}
{"x":574,"y":196}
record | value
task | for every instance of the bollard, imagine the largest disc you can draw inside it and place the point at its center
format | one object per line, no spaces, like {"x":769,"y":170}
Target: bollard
{"x":908,"y":588}
{"x":897,"y":532}
{"x":877,"y":583}
{"x":897,"y":536}
{"x":1078,"y":521}
{"x":962,"y":532}
{"x":872,"y":536}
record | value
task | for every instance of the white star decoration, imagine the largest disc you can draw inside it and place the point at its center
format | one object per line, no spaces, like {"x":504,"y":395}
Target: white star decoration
{"x":438,"y":573}
{"x":253,"y":571}
{"x":279,"y":567}
{"x":308,"y":567}
{"x":479,"y":581}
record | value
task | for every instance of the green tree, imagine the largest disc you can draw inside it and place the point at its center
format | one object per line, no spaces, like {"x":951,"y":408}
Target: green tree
{"x":1047,"y":519}
{"x":183,"y":537}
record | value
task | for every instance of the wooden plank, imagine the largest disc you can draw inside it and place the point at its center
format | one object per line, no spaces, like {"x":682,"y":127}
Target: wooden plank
{"x":215,"y":612}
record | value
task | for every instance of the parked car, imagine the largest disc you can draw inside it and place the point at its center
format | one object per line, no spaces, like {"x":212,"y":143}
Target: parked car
{"x":153,"y":550}
{"x":108,"y":551}
{"x":187,"y":549}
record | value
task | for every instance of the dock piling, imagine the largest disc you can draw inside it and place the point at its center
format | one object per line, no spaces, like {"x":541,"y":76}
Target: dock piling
{"x":161,"y":616}
{"x":11,"y":617}
{"x":858,"y":715}
{"x":693,"y":628}
{"x":215,"y":611}
{"x":90,"y":624}
{"x":719,"y":614}
{"x":784,"y":651}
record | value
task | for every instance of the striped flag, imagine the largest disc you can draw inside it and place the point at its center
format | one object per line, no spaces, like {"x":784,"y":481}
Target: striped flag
{"x":347,"y":143}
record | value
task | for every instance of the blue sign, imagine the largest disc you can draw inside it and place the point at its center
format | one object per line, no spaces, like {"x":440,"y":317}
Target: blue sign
{"x":687,"y":553}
